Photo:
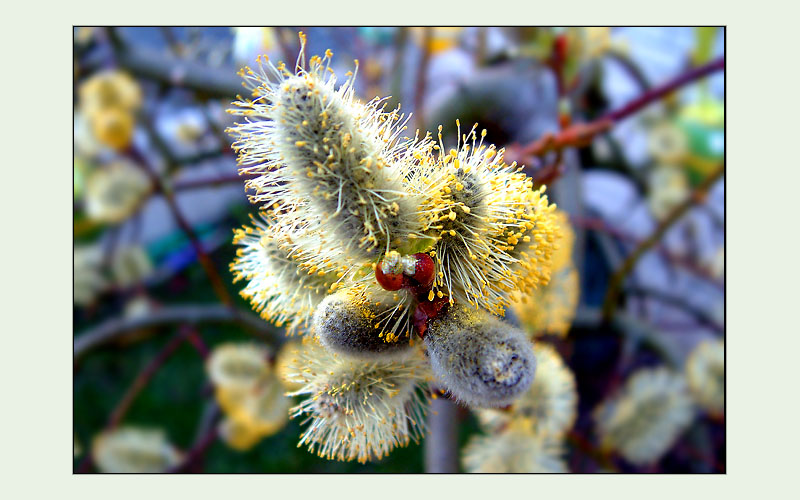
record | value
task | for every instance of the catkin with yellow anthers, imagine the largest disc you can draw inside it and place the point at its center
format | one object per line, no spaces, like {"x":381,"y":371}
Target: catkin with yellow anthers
{"x":514,"y":450}
{"x":480,"y":210}
{"x":110,"y":89}
{"x":645,"y":418}
{"x":365,"y":322}
{"x":89,"y":280}
{"x":338,"y":155}
{"x":248,"y":392}
{"x":277,"y":286}
{"x":565,"y":241}
{"x":531,"y":251}
{"x":483,"y":361}
{"x":358,"y":410}
{"x":550,"y":308}
{"x":549,"y":406}
{"x":456,"y":211}
{"x":303,"y":239}
{"x":237,"y":436}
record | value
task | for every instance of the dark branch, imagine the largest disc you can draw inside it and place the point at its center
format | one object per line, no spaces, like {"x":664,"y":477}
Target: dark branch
{"x":168,"y":315}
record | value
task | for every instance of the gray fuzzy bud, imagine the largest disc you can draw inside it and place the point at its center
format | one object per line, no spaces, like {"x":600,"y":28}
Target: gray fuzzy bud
{"x":357,"y":323}
{"x":483,"y":361}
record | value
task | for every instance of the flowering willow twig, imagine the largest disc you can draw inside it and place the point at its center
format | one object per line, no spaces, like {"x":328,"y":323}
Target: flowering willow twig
{"x":142,"y":379}
{"x":120,"y":50}
{"x":617,"y":279}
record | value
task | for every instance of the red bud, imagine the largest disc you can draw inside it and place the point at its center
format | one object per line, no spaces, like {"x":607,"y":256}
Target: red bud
{"x":388,"y":281}
{"x":424,"y":272}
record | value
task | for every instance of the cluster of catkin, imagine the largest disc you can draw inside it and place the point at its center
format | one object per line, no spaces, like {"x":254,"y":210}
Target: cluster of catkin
{"x":371,"y":241}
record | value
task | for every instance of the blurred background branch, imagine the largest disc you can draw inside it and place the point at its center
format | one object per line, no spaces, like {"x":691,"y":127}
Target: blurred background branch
{"x":191,"y":314}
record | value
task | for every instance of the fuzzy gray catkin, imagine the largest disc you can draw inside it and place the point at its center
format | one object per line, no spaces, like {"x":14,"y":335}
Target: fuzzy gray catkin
{"x":342,"y":167}
{"x":481,"y":360}
{"x":359,"y":323}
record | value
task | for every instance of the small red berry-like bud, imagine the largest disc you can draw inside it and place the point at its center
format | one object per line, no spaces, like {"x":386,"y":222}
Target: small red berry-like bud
{"x":424,"y":271}
{"x":388,"y":281}
{"x":427,"y":310}
{"x":420,"y":321}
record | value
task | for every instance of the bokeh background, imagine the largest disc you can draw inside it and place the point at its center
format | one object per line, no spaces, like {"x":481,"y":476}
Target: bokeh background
{"x":625,"y":125}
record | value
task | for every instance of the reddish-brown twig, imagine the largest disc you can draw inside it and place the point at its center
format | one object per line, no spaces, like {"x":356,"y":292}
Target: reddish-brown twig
{"x":582,"y":134}
{"x":197,"y":451}
{"x":657,"y":93}
{"x":144,"y":377}
{"x":205,"y":261}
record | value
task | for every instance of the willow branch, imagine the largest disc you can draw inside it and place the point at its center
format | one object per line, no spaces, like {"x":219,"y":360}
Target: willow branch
{"x":657,"y":93}
{"x":617,"y":279}
{"x":582,"y":134}
{"x":174,"y":71}
{"x":199,"y":449}
{"x":597,"y":224}
{"x":441,"y":443}
{"x":144,"y":377}
{"x":630,"y":67}
{"x":698,"y":314}
{"x":186,"y":313}
{"x":205,"y":261}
